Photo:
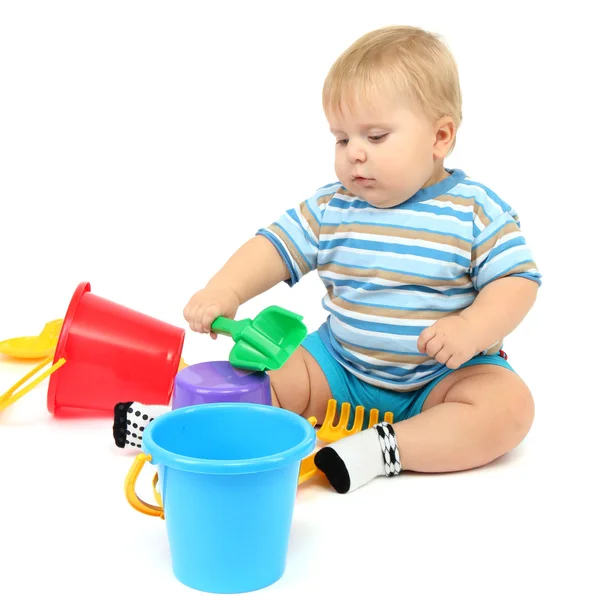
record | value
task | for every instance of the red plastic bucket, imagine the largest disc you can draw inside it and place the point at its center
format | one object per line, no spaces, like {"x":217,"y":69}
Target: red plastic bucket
{"x":109,"y":354}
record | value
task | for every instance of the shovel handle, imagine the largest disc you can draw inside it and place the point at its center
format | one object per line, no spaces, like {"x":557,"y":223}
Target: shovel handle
{"x":230,"y":326}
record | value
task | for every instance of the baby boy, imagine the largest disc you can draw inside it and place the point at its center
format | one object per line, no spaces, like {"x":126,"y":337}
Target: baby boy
{"x":425,"y":270}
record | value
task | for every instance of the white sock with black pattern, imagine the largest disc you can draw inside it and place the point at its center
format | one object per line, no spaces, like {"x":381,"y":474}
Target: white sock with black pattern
{"x":130,"y":420}
{"x":355,"y":460}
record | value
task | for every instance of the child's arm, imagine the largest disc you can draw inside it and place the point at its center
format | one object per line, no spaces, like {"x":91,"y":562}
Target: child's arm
{"x":506,"y":278}
{"x":253,"y":269}
{"x":499,"y":307}
{"x":285,"y":251}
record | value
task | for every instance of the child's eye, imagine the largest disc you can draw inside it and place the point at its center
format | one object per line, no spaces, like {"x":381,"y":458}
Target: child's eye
{"x":341,"y":142}
{"x":378,"y":138}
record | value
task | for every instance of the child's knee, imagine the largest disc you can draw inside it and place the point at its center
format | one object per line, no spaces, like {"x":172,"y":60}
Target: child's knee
{"x":301,"y":386}
{"x":290,"y":387}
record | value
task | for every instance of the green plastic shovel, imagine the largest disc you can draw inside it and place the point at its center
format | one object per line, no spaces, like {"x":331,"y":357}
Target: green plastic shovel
{"x":265,"y":342}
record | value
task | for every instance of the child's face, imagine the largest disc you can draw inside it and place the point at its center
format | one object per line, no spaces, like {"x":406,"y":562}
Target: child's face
{"x":385,"y":153}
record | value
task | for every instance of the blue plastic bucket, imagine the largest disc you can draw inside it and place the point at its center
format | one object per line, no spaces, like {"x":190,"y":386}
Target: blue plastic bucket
{"x":228,"y":476}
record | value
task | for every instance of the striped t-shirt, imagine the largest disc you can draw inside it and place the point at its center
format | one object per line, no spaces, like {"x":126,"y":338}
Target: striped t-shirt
{"x":390,"y":273}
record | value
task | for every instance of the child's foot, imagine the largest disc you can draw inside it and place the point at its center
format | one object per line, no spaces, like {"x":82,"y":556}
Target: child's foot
{"x":131,"y":418}
{"x":353,"y":461}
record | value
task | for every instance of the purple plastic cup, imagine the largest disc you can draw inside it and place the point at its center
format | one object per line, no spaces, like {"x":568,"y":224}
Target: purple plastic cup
{"x":219,"y":381}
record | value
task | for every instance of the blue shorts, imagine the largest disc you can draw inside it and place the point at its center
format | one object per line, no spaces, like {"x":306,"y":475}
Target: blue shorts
{"x":346,"y":387}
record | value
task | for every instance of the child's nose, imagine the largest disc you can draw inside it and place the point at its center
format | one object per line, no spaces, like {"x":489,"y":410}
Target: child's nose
{"x":356,"y":152}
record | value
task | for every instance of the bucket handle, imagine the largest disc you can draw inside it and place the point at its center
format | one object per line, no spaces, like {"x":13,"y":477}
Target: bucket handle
{"x":9,"y":396}
{"x":130,"y":493}
{"x":157,"y":496}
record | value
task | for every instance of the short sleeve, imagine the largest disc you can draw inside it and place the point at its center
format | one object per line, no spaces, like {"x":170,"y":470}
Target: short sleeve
{"x":500,"y":250}
{"x":295,"y":234}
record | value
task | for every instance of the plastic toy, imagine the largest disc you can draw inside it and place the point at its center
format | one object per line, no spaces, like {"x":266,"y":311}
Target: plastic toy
{"x":106,"y":353}
{"x":34,"y":346}
{"x":11,"y":395}
{"x":307,"y":470}
{"x":229,"y":473}
{"x":265,"y":342}
{"x":328,"y":432}
{"x":220,"y":381}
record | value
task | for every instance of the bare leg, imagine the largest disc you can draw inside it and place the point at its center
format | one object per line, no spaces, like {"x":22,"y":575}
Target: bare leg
{"x":472,"y":417}
{"x":300,"y":386}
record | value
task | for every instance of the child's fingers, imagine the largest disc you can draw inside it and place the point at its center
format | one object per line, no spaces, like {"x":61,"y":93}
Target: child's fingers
{"x":210,"y":314}
{"x":194,"y":318}
{"x":443,"y":356}
{"x":426,"y":335}
{"x":433,"y":346}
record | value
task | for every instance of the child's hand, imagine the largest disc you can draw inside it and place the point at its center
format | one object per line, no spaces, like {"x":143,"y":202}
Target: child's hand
{"x":452,"y":341}
{"x":208,"y":304}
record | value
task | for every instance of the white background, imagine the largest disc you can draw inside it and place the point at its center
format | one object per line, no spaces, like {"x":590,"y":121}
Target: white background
{"x":142,"y":142}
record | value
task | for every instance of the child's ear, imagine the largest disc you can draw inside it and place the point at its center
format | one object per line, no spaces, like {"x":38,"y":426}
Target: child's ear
{"x":445,"y":133}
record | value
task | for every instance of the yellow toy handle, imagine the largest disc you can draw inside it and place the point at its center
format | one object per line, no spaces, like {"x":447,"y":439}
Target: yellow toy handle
{"x":130,"y":493}
{"x":9,"y":397}
{"x":156,"y":494}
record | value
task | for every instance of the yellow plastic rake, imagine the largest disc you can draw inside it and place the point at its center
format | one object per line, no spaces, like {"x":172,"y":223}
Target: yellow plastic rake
{"x":329,"y":432}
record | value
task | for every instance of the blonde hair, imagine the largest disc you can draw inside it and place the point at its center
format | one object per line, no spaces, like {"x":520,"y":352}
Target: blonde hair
{"x":408,"y":62}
